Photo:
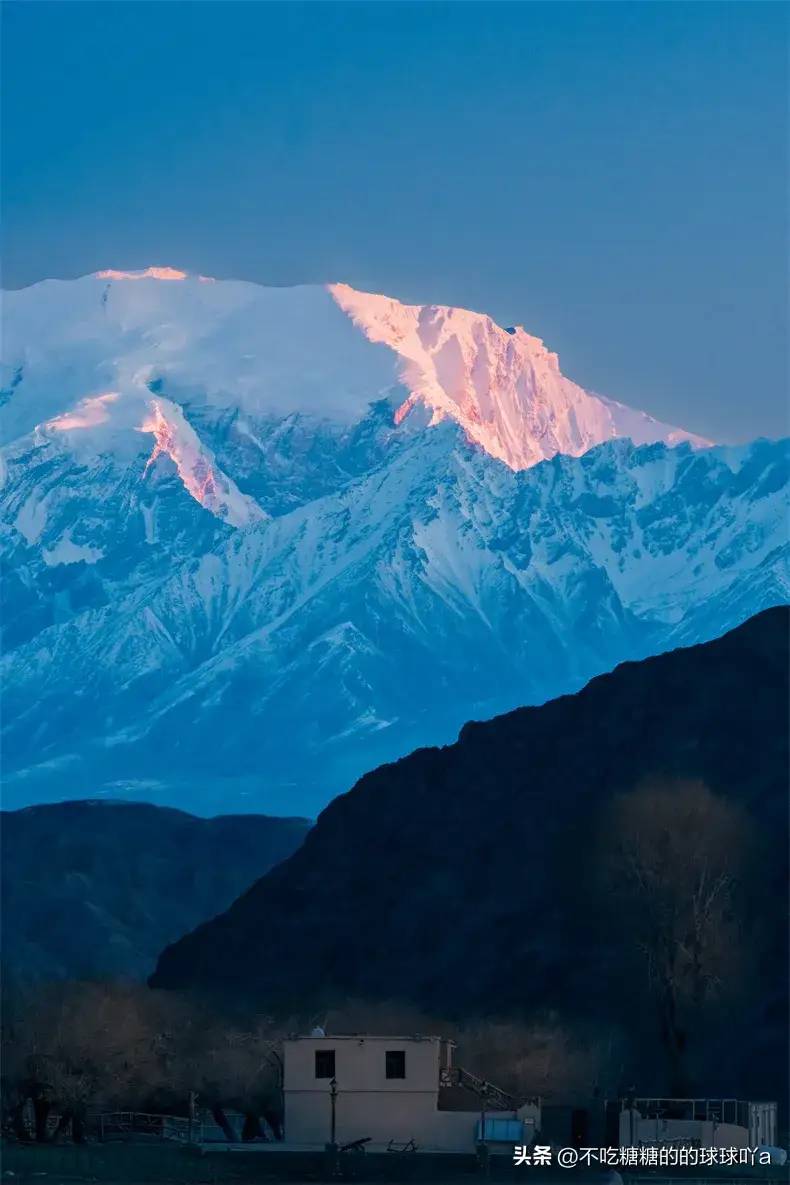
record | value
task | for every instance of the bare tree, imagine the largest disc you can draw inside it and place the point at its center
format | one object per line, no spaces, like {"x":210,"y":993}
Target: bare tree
{"x":231,"y":1065}
{"x":68,"y":1046}
{"x":673,"y":859}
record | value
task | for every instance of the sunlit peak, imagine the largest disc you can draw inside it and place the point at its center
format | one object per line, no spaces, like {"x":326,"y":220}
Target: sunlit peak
{"x":149,"y":273}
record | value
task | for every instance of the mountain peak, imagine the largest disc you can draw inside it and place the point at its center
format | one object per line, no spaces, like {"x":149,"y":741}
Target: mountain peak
{"x":503,"y":386}
{"x":147,"y":273}
{"x":89,"y":353}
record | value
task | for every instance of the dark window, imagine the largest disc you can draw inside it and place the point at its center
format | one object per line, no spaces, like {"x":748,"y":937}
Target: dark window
{"x":395,"y":1061}
{"x":324,"y":1063}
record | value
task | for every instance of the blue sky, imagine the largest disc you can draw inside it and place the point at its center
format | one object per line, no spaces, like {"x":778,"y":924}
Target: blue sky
{"x":612,"y":176}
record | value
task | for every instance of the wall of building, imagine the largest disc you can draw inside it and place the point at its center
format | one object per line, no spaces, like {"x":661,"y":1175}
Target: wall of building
{"x":400,"y":1117}
{"x":360,"y":1063}
{"x":369,"y":1105}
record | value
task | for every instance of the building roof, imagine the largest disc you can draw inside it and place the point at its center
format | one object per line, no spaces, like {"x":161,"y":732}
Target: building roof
{"x":369,"y":1037}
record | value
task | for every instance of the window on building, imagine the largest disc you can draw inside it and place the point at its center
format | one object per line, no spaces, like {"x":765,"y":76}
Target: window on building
{"x":395,"y":1062}
{"x":324,"y":1063}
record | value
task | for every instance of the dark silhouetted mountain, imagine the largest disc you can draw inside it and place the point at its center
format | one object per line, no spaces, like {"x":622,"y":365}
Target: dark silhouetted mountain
{"x":458,"y":878}
{"x":95,"y":889}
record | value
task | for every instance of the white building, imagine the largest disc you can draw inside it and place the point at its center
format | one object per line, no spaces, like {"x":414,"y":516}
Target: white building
{"x":394,"y":1092}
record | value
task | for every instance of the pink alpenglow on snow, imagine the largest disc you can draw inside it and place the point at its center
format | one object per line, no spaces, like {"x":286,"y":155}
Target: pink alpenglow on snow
{"x":149,"y":273}
{"x":502,"y":386}
{"x":323,"y":353}
{"x":89,"y":413}
{"x":203,"y":479}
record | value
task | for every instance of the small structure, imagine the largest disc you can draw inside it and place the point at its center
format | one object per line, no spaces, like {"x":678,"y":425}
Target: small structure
{"x":398,"y":1094}
{"x":704,"y":1123}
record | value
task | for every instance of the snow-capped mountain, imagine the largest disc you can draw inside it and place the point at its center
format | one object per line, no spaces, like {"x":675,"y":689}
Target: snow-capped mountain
{"x":259,"y":540}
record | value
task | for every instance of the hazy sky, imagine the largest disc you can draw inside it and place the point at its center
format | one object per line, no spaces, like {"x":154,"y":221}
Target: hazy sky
{"x":612,"y":176}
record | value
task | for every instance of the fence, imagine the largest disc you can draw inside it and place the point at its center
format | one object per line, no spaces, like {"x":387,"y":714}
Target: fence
{"x":124,"y":1124}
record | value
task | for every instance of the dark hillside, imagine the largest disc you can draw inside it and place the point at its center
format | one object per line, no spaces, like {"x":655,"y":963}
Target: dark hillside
{"x":95,"y":889}
{"x":460,"y":878}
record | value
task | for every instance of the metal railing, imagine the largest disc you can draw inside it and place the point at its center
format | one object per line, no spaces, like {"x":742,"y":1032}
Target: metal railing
{"x":716,"y":1110}
{"x":492,"y":1096}
{"x":120,"y":1124}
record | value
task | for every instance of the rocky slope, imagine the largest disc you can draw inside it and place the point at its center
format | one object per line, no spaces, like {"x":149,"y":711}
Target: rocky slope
{"x":94,"y":889}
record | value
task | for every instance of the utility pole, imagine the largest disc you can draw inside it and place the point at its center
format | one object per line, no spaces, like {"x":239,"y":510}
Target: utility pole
{"x":333,"y":1103}
{"x":331,"y":1148}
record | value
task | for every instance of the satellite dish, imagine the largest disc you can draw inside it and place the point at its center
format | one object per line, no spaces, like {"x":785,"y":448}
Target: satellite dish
{"x":317,"y":1032}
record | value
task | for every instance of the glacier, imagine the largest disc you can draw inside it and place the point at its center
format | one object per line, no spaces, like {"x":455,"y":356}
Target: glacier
{"x":258,"y":540}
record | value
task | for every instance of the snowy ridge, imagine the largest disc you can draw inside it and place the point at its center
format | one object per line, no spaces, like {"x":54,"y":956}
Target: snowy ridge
{"x":196,"y":466}
{"x":440,"y":587}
